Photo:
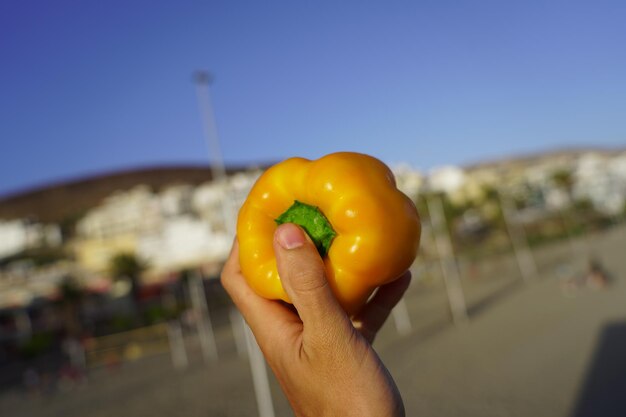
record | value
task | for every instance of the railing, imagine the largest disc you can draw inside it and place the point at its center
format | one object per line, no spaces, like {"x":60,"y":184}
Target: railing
{"x":127,"y":346}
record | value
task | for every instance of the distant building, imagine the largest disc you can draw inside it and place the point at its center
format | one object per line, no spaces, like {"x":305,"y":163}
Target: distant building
{"x":180,"y":227}
{"x":617,"y":167}
{"x":600,"y":180}
{"x":94,"y":254}
{"x":176,"y":200}
{"x":131,"y":212}
{"x":408,"y":180}
{"x":21,"y":284}
{"x":446,"y":179}
{"x":453,"y":181}
{"x":183,"y":242}
{"x":207,"y":202}
{"x":115,"y":226}
{"x":218,"y":203}
{"x":19,"y":235}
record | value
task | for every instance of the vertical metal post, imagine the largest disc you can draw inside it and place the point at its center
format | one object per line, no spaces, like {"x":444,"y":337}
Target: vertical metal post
{"x":433,"y":237}
{"x":449,"y":267}
{"x":203,"y":319}
{"x":239,"y":331}
{"x":177,"y":345}
{"x":517,"y":235}
{"x":257,"y":363}
{"x":203,"y":80}
{"x":401,"y":318}
{"x":76,"y":353}
{"x":259,"y":375}
{"x":575,"y":247}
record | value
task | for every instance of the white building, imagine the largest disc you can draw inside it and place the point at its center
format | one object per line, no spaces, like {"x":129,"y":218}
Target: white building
{"x":21,"y":283}
{"x":446,"y":179}
{"x":598,"y":179}
{"x":176,"y":200}
{"x":218,"y":203}
{"x":183,"y":242}
{"x":408,"y":180}
{"x":207,"y":203}
{"x":19,"y":235}
{"x":180,"y":227}
{"x":132,"y":212}
{"x":617,"y":171}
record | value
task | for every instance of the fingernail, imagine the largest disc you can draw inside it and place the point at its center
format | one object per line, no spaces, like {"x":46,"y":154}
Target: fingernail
{"x":290,"y":236}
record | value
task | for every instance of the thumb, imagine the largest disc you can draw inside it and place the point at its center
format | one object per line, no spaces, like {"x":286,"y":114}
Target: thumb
{"x":303,"y":276}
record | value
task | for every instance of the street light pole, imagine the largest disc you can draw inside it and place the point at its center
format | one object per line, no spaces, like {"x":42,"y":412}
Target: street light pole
{"x":218,"y":170}
{"x":447,"y":259}
{"x":203,"y":79}
{"x":517,"y":236}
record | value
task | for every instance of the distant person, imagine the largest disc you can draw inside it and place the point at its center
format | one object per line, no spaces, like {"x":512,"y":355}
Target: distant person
{"x":30,"y":379}
{"x":597,"y":277}
{"x":325,"y":365}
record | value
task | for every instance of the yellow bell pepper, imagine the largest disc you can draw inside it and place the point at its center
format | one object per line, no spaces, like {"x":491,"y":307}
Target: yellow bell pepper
{"x":366,"y":230}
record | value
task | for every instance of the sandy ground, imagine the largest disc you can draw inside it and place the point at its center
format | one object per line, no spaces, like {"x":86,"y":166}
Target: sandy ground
{"x":529,"y":349}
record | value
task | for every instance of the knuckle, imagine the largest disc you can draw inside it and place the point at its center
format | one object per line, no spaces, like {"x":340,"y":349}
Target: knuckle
{"x":226,"y":282}
{"x":223,"y":279}
{"x":368,"y":333}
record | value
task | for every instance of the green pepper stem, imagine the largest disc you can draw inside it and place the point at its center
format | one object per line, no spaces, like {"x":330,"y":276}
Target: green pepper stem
{"x":314,"y":223}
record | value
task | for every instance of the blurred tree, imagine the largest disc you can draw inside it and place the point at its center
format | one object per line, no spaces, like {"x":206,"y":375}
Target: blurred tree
{"x":492,"y":206}
{"x":71,"y":296}
{"x":573,"y":225}
{"x":584,"y":205}
{"x":41,"y":256}
{"x":453,"y":211}
{"x":420,"y":204}
{"x":69,"y":222}
{"x":564,"y":179}
{"x":127,"y":266}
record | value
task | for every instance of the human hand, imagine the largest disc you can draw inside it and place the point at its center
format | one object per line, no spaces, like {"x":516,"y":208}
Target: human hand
{"x":323,"y":361}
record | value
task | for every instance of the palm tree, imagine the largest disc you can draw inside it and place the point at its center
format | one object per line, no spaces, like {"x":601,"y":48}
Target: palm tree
{"x":127,"y":266}
{"x":71,"y":296}
{"x":564,"y":179}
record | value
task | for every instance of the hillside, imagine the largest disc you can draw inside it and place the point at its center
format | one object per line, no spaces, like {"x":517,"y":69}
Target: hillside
{"x":67,"y":200}
{"x":63,"y":201}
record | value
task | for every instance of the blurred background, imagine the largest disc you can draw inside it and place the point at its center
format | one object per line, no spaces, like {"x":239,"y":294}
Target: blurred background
{"x":503,"y":121}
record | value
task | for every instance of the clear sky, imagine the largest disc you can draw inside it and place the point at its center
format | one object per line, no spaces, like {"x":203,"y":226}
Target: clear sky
{"x":92,"y":86}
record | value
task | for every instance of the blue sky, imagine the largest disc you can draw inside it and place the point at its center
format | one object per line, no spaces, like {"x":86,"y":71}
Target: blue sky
{"x":92,"y":86}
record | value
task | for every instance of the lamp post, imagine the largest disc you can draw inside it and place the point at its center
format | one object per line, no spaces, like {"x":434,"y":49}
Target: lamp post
{"x":203,"y":80}
{"x":447,"y":260}
{"x":517,"y":236}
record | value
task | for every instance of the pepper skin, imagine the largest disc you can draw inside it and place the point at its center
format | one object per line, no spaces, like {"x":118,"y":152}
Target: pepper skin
{"x":377,"y":226}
